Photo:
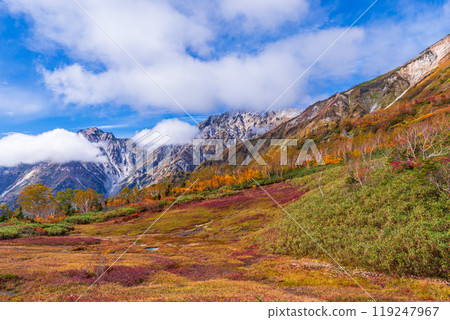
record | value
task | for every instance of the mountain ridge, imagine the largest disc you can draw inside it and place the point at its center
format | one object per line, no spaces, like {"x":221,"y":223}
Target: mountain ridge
{"x":119,"y":169}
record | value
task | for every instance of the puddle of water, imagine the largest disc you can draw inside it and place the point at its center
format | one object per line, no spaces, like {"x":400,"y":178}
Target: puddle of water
{"x":151,"y":249}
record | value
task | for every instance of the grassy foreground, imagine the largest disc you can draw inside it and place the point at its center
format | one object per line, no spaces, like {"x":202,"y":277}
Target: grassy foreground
{"x":397,"y":222}
{"x":227,"y":249}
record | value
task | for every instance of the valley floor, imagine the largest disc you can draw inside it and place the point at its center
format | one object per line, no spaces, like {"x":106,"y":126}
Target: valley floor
{"x":199,"y":251}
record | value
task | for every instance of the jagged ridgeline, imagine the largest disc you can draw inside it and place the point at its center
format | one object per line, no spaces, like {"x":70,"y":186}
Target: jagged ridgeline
{"x":119,"y":169}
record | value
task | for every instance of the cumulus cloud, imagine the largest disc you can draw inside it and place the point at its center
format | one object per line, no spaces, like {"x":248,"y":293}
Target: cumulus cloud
{"x":56,"y":146}
{"x":240,"y":81}
{"x":159,"y":36}
{"x":177,"y":47}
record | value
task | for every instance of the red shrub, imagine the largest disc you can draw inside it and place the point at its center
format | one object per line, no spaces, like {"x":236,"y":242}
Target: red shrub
{"x":282,"y":192}
{"x":404,"y":165}
{"x":249,"y":256}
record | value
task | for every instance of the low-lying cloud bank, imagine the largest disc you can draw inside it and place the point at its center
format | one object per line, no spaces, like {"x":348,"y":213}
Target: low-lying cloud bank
{"x":179,"y":131}
{"x":58,"y":145}
{"x":167,"y":132}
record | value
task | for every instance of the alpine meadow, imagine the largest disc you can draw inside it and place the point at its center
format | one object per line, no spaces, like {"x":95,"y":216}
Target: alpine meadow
{"x":340,"y":197}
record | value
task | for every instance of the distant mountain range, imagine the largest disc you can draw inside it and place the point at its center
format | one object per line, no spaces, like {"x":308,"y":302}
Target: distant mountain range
{"x":119,"y":171}
{"x":119,"y":168}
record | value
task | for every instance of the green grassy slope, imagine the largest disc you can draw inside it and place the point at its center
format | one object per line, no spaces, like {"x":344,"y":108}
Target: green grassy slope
{"x":397,"y":222}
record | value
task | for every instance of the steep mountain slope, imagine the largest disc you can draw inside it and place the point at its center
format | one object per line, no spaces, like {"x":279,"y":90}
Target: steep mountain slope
{"x":367,"y":97}
{"x":422,"y":84}
{"x":421,"y":81}
{"x":120,"y":160}
{"x":243,"y":125}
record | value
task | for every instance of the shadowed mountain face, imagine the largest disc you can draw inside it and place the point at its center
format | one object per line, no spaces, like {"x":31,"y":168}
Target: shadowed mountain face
{"x":119,"y":169}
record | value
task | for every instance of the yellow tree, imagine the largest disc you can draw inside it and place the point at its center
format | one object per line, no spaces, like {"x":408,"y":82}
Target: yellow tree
{"x":86,"y":200}
{"x":37,"y":201}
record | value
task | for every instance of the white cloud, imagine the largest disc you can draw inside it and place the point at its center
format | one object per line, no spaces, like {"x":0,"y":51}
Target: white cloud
{"x":57,"y":146}
{"x":159,"y":35}
{"x":264,"y":13}
{"x":166,"y":132}
{"x":180,"y":132}
{"x":238,"y":81}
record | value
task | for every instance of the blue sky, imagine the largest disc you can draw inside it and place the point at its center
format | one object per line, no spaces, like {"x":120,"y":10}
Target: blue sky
{"x":59,"y":70}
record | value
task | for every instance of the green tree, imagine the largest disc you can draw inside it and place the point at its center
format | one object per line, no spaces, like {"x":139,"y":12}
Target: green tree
{"x":167,"y":191}
{"x":5,"y":212}
{"x":18,"y":213}
{"x":65,"y":201}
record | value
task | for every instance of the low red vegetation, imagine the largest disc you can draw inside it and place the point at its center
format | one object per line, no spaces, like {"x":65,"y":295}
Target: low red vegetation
{"x":163,"y":263}
{"x":124,"y":275}
{"x":55,"y":241}
{"x":282,"y":192}
{"x":249,"y":256}
{"x":251,"y":218}
{"x":402,"y":165}
{"x":201,"y":272}
{"x":81,"y":276}
{"x":196,"y":272}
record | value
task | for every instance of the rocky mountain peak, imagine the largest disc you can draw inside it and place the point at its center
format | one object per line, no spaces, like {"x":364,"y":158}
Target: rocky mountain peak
{"x":244,"y":124}
{"x":94,"y":134}
{"x":426,"y":61}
